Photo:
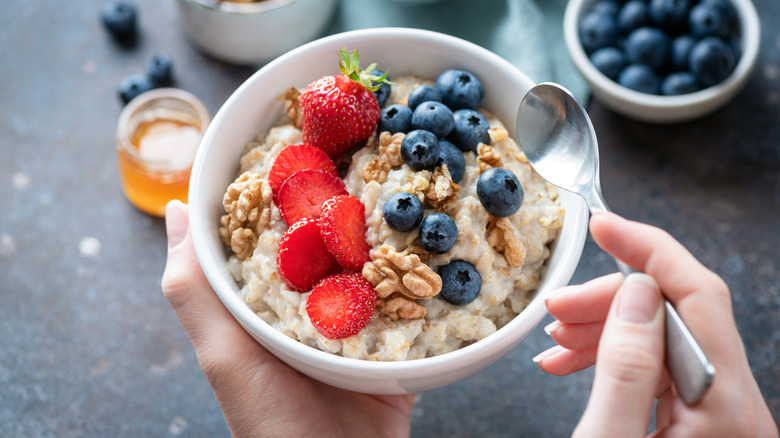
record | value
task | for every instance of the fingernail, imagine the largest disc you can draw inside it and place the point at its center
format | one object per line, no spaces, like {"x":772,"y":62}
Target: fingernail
{"x":550,"y":352}
{"x":640,"y":299}
{"x":176,"y":223}
{"x":553,"y":326}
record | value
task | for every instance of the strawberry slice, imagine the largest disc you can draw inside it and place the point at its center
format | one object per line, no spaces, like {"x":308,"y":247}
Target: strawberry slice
{"x":343,"y":228}
{"x":303,"y":193}
{"x":341,"y":305}
{"x":302,"y":258}
{"x":294,"y":158}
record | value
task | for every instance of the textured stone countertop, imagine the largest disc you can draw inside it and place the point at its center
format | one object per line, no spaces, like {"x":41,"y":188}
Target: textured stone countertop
{"x":90,"y":347}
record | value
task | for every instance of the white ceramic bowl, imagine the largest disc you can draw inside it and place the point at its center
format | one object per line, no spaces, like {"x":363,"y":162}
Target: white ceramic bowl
{"x":664,"y":109}
{"x":254,"y":32}
{"x":255,"y":107}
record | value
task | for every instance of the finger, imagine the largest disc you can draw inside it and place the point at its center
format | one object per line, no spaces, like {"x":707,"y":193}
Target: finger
{"x":575,"y":336}
{"x":584,"y":303}
{"x":629,"y":362}
{"x":559,"y":361}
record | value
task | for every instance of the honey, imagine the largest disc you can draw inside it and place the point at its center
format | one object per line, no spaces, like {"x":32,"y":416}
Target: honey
{"x":157,"y":137}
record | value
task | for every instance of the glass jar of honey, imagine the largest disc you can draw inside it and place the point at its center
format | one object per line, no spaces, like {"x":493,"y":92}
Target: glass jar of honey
{"x":157,"y":136}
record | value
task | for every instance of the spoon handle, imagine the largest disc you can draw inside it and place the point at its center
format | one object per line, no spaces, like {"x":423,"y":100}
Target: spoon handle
{"x":690,"y":369}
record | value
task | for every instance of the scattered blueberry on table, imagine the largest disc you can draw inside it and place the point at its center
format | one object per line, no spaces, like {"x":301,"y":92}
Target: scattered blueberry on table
{"x":667,"y":47}
{"x":120,"y":18}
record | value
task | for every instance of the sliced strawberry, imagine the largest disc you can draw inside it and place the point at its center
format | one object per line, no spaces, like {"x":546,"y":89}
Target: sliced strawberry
{"x":294,"y":158}
{"x":303,"y":193}
{"x":302,"y":258}
{"x":341,"y":305}
{"x":343,"y":228}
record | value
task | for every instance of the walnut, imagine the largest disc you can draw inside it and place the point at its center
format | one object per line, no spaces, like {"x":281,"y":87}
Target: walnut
{"x":376,"y":170}
{"x":417,"y":183}
{"x":502,"y":236}
{"x":401,"y":275}
{"x":442,"y":191}
{"x":488,"y":158}
{"x":390,"y":147}
{"x":247,"y":203}
{"x":497,"y":133}
{"x":292,"y":106}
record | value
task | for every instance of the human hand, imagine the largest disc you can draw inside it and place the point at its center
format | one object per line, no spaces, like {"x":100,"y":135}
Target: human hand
{"x":259,"y":394}
{"x":619,"y":325}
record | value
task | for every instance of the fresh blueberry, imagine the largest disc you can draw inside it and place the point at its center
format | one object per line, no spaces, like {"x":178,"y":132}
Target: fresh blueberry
{"x":383,"y":93}
{"x":159,"y":67}
{"x":681,"y":82}
{"x":609,"y":7}
{"x":133,"y":85}
{"x":438,"y":233}
{"x":609,"y":60}
{"x":423,"y":93}
{"x":460,"y":89}
{"x":500,"y":192}
{"x":395,"y":118}
{"x":453,"y":158}
{"x":403,"y":212}
{"x":639,"y":77}
{"x":647,"y":45}
{"x":471,"y":129}
{"x":460,"y":282}
{"x":680,"y":50}
{"x":597,"y":31}
{"x":420,"y":150}
{"x":434,"y":117}
{"x":725,"y":6}
{"x":705,"y":20}
{"x":120,"y":18}
{"x":669,"y":14}
{"x":632,"y":15}
{"x":711,"y":60}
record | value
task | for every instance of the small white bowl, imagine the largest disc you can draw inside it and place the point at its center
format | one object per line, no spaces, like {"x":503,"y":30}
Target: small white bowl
{"x":250,"y":33}
{"x":255,"y":107}
{"x":664,"y":109}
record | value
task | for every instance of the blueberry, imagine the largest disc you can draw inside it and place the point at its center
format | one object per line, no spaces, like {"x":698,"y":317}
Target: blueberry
{"x":609,"y":7}
{"x":639,"y":77}
{"x":395,"y":118}
{"x":453,"y":158}
{"x":681,"y":82}
{"x":669,"y":14}
{"x":647,"y":45}
{"x":133,"y":85}
{"x":707,"y":20}
{"x":680,"y":50}
{"x":159,"y":67}
{"x":403,"y":212}
{"x":434,"y":117}
{"x":597,"y":31}
{"x":383,"y":93}
{"x":420,"y":150}
{"x":609,"y":60}
{"x":120,"y":18}
{"x":711,"y":60}
{"x":438,"y":233}
{"x":632,"y":15}
{"x":500,"y":192}
{"x":460,"y":89}
{"x":471,"y":129}
{"x":460,"y":282}
{"x":725,"y":6}
{"x":423,"y":93}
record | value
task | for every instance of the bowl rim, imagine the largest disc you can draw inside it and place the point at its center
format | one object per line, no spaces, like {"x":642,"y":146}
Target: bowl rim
{"x":241,"y":8}
{"x":502,"y":338}
{"x":750,"y":42}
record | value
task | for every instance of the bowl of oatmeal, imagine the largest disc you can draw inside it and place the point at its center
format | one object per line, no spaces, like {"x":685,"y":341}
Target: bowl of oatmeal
{"x":424,"y":342}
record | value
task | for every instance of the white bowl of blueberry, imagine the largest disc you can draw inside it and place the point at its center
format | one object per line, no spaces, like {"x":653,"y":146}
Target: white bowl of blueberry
{"x":663,"y":61}
{"x":333,"y":229}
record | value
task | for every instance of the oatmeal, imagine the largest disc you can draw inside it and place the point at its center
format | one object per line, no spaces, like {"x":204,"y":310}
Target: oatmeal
{"x":411,"y":320}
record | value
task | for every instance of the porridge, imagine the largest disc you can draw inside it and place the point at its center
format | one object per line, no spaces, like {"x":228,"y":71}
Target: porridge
{"x":413,"y":315}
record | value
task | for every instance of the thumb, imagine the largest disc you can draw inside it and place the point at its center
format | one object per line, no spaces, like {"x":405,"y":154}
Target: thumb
{"x":629,"y":363}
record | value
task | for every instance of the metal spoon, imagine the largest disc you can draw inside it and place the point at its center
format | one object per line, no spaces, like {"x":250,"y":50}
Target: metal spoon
{"x":558,"y":138}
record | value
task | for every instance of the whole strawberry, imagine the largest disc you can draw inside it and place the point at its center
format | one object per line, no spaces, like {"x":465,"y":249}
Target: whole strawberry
{"x":339,"y":112}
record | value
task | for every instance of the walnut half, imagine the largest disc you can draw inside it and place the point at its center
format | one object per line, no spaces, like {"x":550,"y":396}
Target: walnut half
{"x":502,"y":236}
{"x":400,"y":279}
{"x":247,"y":204}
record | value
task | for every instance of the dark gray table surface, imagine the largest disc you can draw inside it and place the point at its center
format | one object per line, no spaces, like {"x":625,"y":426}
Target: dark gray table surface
{"x":89,"y":346}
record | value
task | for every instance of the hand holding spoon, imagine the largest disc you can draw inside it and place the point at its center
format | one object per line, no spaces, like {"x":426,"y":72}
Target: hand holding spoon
{"x":559,"y":141}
